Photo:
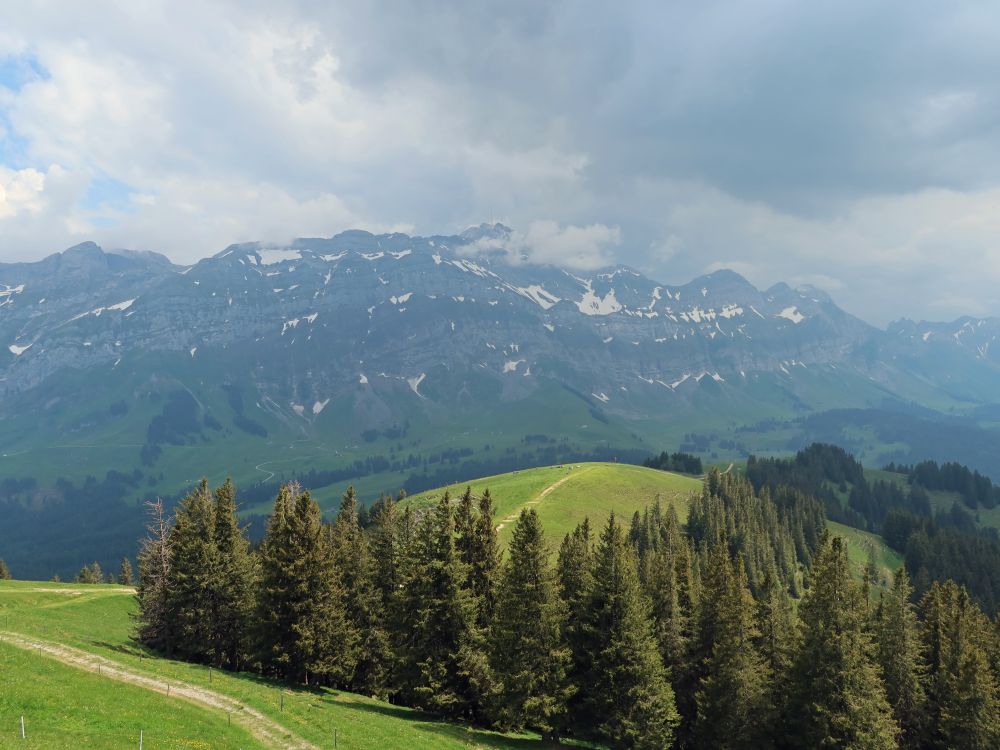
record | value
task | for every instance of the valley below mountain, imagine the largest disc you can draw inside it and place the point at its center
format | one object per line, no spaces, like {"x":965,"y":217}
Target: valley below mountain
{"x":391,"y":361}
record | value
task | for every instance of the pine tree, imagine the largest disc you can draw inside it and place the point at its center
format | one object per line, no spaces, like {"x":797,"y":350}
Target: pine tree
{"x":383,"y":541}
{"x":4,"y":571}
{"x":233,"y":583}
{"x":732,"y":710}
{"x":465,"y":522}
{"x":901,"y":657}
{"x":441,"y":665}
{"x":90,"y":574}
{"x":627,"y":690}
{"x":963,"y":697}
{"x":125,"y":576}
{"x":362,"y":601}
{"x":776,"y":644}
{"x":484,"y":569}
{"x":576,"y":581}
{"x":837,"y":697}
{"x":193,"y":563}
{"x":304,"y":635}
{"x":528,"y":653}
{"x":154,"y":628}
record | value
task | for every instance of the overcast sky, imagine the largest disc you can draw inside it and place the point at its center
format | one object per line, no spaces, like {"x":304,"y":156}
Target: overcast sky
{"x":851,"y":145}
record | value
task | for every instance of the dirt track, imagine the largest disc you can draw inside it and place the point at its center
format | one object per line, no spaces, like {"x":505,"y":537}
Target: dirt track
{"x":260,"y":726}
{"x":541,"y":495}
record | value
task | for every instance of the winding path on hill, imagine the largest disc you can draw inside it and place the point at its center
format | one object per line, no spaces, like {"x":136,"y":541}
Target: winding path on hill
{"x":544,"y":493}
{"x":268,"y":731}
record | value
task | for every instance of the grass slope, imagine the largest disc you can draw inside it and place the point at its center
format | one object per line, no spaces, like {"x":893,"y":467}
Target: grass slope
{"x":67,"y":707}
{"x":860,"y":544}
{"x":564,"y":495}
{"x":85,"y":710}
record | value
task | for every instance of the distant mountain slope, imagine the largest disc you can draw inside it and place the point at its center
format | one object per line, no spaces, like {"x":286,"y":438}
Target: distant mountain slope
{"x":390,"y":360}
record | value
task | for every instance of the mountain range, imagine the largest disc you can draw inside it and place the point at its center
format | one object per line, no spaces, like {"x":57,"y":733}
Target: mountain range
{"x":391,"y":360}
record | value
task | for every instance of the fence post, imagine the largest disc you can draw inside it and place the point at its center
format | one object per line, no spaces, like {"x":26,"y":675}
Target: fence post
{"x":22,"y":727}
{"x":282,"y":700}
{"x":140,"y":739}
{"x":335,"y":739}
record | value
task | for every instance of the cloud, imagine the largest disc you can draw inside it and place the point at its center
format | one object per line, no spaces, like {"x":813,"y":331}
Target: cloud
{"x":547,"y":242}
{"x":852,"y":145}
{"x":20,"y":191}
{"x":931,"y":253}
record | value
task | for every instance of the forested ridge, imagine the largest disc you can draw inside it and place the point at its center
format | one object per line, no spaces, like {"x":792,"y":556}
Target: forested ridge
{"x":947,"y":544}
{"x":739,"y":628}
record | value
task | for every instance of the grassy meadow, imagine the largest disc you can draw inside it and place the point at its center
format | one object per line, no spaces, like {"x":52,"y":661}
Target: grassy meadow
{"x":564,"y":495}
{"x":65,"y":706}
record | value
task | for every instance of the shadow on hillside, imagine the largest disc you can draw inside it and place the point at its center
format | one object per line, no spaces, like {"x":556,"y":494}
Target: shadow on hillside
{"x":435,"y":725}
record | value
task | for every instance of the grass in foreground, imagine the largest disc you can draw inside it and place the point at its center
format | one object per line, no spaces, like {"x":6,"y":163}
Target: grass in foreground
{"x":97,"y":619}
{"x":67,"y":707}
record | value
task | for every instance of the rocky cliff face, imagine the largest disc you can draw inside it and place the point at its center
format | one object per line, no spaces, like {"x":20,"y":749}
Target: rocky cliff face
{"x":324,"y":317}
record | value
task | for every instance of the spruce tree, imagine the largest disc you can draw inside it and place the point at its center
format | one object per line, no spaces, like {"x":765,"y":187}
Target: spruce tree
{"x":154,"y":628}
{"x":528,"y":652}
{"x":233,"y":583}
{"x":776,"y":645}
{"x":963,"y":697}
{"x":4,"y":571}
{"x":576,"y":581}
{"x":304,"y":635}
{"x":901,"y":657}
{"x":837,"y":697}
{"x":383,"y":542}
{"x":193,"y":566}
{"x":627,"y":690}
{"x":90,"y":574}
{"x":125,"y":575}
{"x":484,"y":568}
{"x":732,"y":695}
{"x":362,"y":600}
{"x":441,"y":664}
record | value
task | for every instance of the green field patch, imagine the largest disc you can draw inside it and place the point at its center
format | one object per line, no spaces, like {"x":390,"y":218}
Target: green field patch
{"x":67,"y":707}
{"x":860,"y":545}
{"x":564,"y":495}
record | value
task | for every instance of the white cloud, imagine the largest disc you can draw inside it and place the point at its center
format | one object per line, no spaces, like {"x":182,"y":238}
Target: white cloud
{"x":20,"y":191}
{"x":933,"y":252}
{"x":582,"y":247}
{"x":810,"y":150}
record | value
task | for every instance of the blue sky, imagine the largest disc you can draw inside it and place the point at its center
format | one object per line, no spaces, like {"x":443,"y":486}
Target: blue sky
{"x":853,"y":145}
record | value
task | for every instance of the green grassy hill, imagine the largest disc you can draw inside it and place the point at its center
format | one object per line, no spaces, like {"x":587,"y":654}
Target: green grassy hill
{"x":61,"y":647}
{"x":564,"y":495}
{"x":860,"y":544}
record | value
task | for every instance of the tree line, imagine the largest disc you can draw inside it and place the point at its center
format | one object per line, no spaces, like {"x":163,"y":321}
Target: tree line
{"x":683,"y":463}
{"x":741,"y":628}
{"x":947,"y":544}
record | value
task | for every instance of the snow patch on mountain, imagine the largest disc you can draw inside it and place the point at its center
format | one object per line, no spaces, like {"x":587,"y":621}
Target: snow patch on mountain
{"x":273,"y":256}
{"x":591,"y":304}
{"x":511,"y":365}
{"x":415,"y":383}
{"x":792,"y":313}
{"x":537,"y":294}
